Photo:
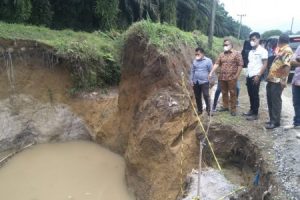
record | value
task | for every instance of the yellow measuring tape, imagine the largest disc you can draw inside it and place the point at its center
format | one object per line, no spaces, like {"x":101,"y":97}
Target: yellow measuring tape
{"x":199,"y":121}
{"x":222,"y":198}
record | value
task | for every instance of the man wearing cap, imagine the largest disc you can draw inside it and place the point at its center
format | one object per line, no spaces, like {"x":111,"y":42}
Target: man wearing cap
{"x":277,"y":80}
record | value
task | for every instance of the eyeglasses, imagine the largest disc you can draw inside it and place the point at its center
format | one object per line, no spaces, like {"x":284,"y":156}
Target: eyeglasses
{"x":253,"y":39}
{"x":225,"y":45}
{"x":197,"y":54}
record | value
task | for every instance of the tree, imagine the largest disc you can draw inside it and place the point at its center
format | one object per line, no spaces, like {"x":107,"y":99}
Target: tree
{"x":168,"y":11}
{"x":270,"y":33}
{"x":107,"y":12}
{"x":75,"y":14}
{"x":186,"y":14}
{"x":22,"y":10}
{"x":15,"y":11}
{"x":245,"y":32}
{"x":41,"y":13}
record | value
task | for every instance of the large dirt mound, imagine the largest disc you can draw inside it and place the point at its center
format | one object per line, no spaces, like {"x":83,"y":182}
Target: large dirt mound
{"x":153,"y":111}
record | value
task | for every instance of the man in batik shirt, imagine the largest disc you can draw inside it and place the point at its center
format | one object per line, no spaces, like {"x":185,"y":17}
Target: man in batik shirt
{"x":277,"y":80}
{"x":231,"y":64}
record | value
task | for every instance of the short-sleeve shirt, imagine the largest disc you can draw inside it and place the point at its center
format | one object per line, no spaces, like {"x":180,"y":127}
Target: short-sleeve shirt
{"x":256,"y":57}
{"x":229,"y":62}
{"x":280,"y":67}
{"x":296,"y":78}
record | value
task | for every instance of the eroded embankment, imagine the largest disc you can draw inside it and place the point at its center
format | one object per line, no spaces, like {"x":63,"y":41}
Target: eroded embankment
{"x":155,"y":111}
{"x":36,"y":98}
{"x":144,"y":122}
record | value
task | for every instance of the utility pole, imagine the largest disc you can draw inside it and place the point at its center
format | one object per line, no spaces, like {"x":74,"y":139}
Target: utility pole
{"x":212,"y":24}
{"x":241,"y":18}
{"x":292,"y":25}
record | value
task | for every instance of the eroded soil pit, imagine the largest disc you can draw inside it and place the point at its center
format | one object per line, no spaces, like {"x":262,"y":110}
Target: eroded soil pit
{"x":242,"y":176}
{"x":74,"y":170}
{"x":142,"y":121}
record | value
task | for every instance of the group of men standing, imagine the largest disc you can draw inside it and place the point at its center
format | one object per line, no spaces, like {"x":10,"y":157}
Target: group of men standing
{"x":229,"y":65}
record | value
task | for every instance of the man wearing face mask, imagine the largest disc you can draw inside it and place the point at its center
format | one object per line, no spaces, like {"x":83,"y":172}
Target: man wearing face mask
{"x":277,"y":80}
{"x":200,"y":69}
{"x":257,"y":65}
{"x":231,"y":64}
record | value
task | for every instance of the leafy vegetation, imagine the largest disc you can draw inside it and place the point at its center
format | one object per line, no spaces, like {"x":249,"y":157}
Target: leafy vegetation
{"x":91,"y":15}
{"x":93,"y":55}
{"x":166,"y":37}
{"x":270,"y":33}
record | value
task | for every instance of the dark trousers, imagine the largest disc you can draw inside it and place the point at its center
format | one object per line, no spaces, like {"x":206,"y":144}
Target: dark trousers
{"x":218,"y":92}
{"x":296,"y":102}
{"x":253,"y":92}
{"x":229,"y":88}
{"x":274,"y":91}
{"x":200,"y":89}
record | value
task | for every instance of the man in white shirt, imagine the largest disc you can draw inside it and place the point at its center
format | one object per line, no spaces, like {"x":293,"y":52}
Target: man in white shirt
{"x":258,"y":58}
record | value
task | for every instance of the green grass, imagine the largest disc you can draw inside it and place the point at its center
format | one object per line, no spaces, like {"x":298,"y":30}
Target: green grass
{"x":66,"y":42}
{"x":166,"y":37}
{"x":99,"y":53}
{"x":96,"y":52}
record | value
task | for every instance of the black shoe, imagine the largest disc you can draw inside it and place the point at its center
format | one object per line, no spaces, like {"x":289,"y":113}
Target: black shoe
{"x":233,"y":114}
{"x":268,"y":122}
{"x":272,"y":126}
{"x":252,"y":117}
{"x":223,"y":109}
{"x":199,"y":113}
{"x":249,"y":113}
{"x":209,"y":113}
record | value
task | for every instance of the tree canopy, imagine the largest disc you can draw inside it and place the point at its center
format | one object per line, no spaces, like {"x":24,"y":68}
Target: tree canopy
{"x":270,"y":33}
{"x":90,"y":15}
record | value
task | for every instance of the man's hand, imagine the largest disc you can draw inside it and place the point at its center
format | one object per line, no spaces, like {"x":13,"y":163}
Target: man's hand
{"x":283,"y":84}
{"x":236,"y":77}
{"x":212,"y":84}
{"x":209,"y":76}
{"x":256,"y":79}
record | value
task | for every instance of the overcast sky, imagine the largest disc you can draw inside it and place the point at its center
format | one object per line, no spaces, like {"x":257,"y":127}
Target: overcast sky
{"x":263,"y":15}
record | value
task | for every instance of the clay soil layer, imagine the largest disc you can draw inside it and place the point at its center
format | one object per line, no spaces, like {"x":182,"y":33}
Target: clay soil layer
{"x":144,"y":118}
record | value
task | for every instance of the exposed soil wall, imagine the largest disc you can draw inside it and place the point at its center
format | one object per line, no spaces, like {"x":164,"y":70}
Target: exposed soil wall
{"x":31,"y":72}
{"x":153,"y":110}
{"x":143,"y":120}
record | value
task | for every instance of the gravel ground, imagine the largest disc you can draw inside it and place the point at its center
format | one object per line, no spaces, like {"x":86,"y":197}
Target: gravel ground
{"x":287,"y":150}
{"x":280,"y":148}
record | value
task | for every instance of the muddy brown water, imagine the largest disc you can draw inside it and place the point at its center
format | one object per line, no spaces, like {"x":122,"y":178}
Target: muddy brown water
{"x":75,"y":170}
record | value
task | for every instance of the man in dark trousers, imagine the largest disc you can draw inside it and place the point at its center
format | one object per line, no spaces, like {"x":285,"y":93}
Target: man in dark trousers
{"x":277,"y":80}
{"x":296,"y":90}
{"x":257,"y":65}
{"x":200,"y":69}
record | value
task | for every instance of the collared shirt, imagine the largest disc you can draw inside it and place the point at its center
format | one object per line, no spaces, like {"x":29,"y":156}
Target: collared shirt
{"x":256,"y":57}
{"x":296,"y":78}
{"x":229,"y":62}
{"x":200,"y":70}
{"x":280,"y":67}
